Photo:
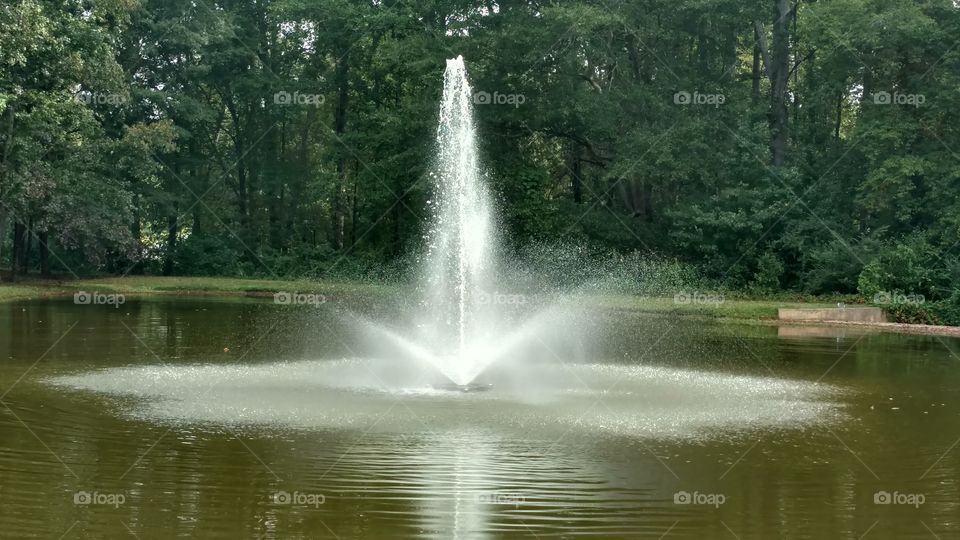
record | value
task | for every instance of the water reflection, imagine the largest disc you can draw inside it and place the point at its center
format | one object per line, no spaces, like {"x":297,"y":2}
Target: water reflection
{"x":794,"y":458}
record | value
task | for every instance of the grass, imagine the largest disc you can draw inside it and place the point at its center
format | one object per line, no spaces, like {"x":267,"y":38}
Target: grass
{"x":751,"y":309}
{"x":741,"y":309}
{"x":22,"y":291}
{"x":157,"y":285}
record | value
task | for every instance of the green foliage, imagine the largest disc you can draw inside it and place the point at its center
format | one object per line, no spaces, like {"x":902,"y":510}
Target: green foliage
{"x":910,"y":267}
{"x":194,"y":167}
{"x":201,"y":255}
{"x":766,"y":279}
{"x":948,"y":310}
{"x":917,"y":278}
{"x":913,"y":314}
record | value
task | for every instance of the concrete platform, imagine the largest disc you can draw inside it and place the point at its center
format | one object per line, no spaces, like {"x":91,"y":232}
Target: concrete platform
{"x":845,"y":314}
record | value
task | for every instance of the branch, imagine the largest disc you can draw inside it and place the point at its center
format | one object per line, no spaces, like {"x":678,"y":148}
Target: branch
{"x":592,"y":82}
{"x":8,"y":142}
{"x":761,"y":34}
{"x":595,"y":157}
{"x":800,"y":61}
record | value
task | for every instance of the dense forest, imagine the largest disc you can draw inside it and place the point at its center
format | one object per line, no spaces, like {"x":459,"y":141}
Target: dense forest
{"x":766,"y":144}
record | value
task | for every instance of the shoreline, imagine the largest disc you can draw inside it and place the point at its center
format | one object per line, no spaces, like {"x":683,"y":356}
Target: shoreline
{"x":757,"y":311}
{"x":888,"y":327}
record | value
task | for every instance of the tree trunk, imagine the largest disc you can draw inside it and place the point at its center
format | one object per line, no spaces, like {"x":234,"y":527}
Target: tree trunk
{"x":171,"y":244}
{"x":836,"y":129}
{"x":755,"y":88}
{"x":339,"y":127}
{"x":10,"y":115}
{"x":647,"y":201}
{"x":777,"y":64}
{"x":395,"y":233}
{"x":279,"y":215}
{"x":136,"y":229}
{"x":779,"y":73}
{"x":243,"y":190}
{"x":16,"y":254}
{"x":576,"y":172}
{"x":27,"y":246}
{"x":8,"y":143}
{"x":195,"y":228}
{"x":42,"y":243}
{"x":353,"y":204}
{"x":299,"y":181}
{"x":242,"y":196}
{"x":3,"y":233}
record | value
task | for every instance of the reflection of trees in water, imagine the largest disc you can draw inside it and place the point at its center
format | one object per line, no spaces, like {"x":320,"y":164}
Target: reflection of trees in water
{"x":198,"y":480}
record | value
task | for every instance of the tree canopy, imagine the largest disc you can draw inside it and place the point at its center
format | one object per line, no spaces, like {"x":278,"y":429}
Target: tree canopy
{"x":769,"y":144}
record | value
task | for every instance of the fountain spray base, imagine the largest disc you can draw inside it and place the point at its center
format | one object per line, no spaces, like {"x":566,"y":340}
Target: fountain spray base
{"x":451,"y":386}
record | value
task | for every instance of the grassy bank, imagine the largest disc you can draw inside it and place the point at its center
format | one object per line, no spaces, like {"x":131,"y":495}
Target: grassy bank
{"x":744,"y":309}
{"x":186,"y":286}
{"x":750,"y":309}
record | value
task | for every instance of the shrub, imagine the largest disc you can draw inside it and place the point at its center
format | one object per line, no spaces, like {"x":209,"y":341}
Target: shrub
{"x":948,"y":311}
{"x":913,"y":314}
{"x":766,"y":278}
{"x":200,"y":255}
{"x":910,"y":267}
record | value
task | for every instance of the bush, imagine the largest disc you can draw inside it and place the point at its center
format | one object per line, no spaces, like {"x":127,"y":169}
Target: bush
{"x":832,"y":268}
{"x":909,"y":267}
{"x":913,"y":314}
{"x":766,"y":278}
{"x":199,"y":255}
{"x":948,"y":311}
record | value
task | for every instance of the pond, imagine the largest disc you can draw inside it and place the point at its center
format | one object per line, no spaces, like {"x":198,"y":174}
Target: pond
{"x":233,"y":418}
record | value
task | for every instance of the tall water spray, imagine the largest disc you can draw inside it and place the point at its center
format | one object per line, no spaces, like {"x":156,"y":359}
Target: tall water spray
{"x":460,"y":257}
{"x":465,"y":324}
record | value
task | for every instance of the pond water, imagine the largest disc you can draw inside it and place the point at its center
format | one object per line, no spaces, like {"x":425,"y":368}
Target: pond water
{"x":234,"y":418}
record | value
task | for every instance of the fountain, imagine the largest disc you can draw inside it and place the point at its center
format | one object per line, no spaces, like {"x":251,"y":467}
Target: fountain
{"x":460,"y":258}
{"x":350,"y":407}
{"x":534,"y":359}
{"x":462,"y":313}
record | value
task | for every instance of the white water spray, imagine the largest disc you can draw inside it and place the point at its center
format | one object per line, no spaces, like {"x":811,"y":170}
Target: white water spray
{"x":463,"y":325}
{"x":460,"y":257}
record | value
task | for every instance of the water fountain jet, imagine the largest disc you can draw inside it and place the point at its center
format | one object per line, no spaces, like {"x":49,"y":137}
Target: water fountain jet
{"x":461,"y":261}
{"x":464,"y":323}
